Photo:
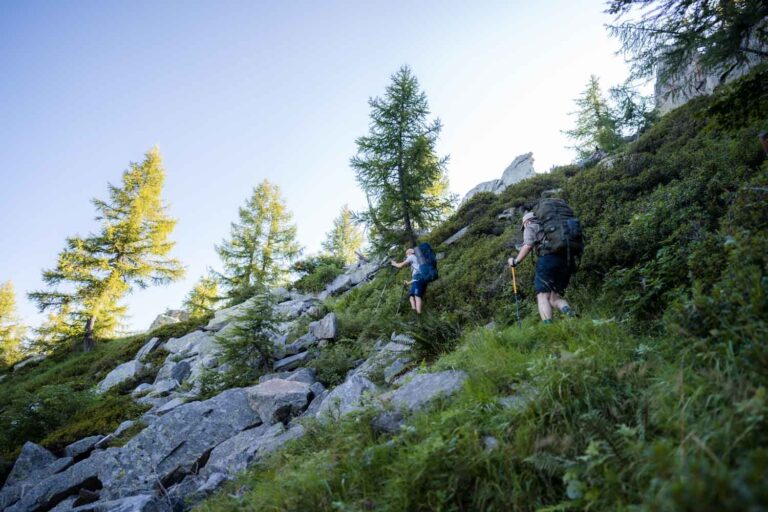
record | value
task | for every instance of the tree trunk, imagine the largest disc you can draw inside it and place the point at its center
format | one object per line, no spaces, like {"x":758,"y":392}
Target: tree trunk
{"x":88,"y":343}
{"x":410,"y":235}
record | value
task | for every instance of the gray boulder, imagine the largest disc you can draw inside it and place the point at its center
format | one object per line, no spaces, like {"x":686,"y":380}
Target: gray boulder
{"x":181,"y":371}
{"x":292,"y":362}
{"x":139,"y":503}
{"x":339,"y":285}
{"x":169,"y":406}
{"x":190,"y":344}
{"x":29,"y":361}
{"x":224,"y":316}
{"x":295,"y":307}
{"x":245,"y":449}
{"x":457,"y":236}
{"x":426,"y":387}
{"x":374,"y":366}
{"x":301,"y":344}
{"x":142,"y":389}
{"x":82,"y":447}
{"x":325,"y":329}
{"x":346,"y":397}
{"x":396,"y":368}
{"x":148,"y":348}
{"x":32,"y":459}
{"x":122,"y":373}
{"x":306,"y":375}
{"x":278,"y":400}
{"x":163,"y":387}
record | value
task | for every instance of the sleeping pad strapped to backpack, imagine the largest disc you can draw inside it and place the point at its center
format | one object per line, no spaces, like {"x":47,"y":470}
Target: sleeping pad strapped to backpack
{"x":561,"y":229}
{"x":427,"y":263}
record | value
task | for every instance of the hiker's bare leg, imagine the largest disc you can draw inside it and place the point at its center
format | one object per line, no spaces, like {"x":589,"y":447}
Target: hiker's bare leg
{"x":413,"y":302}
{"x":557,"y":301}
{"x":419,"y":303}
{"x":545,"y":308}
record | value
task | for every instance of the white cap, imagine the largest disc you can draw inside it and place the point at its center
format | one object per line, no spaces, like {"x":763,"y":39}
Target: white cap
{"x":528,"y":216}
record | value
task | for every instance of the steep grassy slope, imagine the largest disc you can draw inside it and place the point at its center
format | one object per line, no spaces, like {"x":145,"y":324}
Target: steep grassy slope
{"x":654,"y":400}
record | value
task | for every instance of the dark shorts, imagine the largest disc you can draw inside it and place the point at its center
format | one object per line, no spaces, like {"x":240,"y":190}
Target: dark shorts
{"x":418,"y":289}
{"x":552,"y":274}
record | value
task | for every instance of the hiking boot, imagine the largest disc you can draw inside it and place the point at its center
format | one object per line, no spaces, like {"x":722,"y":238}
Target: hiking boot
{"x":567,"y":311}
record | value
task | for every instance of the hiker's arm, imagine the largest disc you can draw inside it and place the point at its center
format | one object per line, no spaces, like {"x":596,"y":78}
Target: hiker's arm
{"x":398,"y":265}
{"x":521,"y":255}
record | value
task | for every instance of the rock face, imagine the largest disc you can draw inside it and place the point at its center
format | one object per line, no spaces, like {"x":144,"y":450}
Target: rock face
{"x":122,"y":373}
{"x":32,"y":459}
{"x":695,"y":82}
{"x":520,"y":169}
{"x":171,"y":316}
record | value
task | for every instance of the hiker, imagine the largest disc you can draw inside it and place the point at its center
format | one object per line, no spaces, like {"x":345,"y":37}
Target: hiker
{"x":418,"y":285}
{"x":553,"y":270}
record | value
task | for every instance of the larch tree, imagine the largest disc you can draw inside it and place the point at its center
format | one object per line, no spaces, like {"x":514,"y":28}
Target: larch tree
{"x":666,"y":36}
{"x":203,"y":297}
{"x":397,"y":167}
{"x":131,"y":248}
{"x":345,"y":237}
{"x":12,"y":331}
{"x":262,"y":244}
{"x":596,"y":126}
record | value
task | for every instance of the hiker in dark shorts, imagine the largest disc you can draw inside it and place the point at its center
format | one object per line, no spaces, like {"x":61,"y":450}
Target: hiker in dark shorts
{"x":553,"y":271}
{"x":418,"y":286}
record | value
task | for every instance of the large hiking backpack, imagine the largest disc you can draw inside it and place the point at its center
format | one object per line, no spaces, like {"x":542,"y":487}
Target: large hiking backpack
{"x":427,"y":263}
{"x":561,"y":229}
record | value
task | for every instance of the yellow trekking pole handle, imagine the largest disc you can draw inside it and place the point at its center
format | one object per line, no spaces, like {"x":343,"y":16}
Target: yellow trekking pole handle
{"x":514,"y":281}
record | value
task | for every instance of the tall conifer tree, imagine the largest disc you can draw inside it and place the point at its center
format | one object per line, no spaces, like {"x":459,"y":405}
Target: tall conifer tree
{"x":262,"y":245}
{"x":203,"y":297}
{"x":131,"y":248}
{"x":345,"y":237}
{"x":596,"y":125}
{"x":11,"y":329}
{"x":397,"y":167}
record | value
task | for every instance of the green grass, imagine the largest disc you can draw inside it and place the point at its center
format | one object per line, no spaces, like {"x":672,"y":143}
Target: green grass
{"x":615,"y":424}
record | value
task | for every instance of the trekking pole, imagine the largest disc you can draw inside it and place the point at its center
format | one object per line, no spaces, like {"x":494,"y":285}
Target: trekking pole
{"x":400,"y":302}
{"x":514,"y":289}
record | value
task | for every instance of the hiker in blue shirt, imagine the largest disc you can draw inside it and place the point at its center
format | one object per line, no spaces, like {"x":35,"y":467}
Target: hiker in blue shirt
{"x":418,"y":286}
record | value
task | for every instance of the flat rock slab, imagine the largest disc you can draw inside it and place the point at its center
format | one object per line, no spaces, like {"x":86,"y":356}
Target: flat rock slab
{"x":278,"y":400}
{"x":169,"y":406}
{"x":148,"y":348}
{"x":122,"y":373}
{"x":305,"y":375}
{"x":140,"y":503}
{"x":426,"y":387}
{"x":292,"y":362}
{"x":346,"y":397}
{"x":396,"y":368}
{"x":82,"y":446}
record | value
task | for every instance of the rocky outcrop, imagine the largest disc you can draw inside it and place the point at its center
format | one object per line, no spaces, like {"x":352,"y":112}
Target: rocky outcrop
{"x":171,"y":316}
{"x":520,"y":169}
{"x":124,"y":372}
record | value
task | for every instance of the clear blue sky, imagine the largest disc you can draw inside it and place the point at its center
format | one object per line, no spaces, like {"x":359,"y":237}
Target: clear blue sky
{"x":235,"y":92}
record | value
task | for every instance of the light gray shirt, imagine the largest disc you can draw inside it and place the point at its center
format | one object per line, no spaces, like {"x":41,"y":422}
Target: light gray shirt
{"x":414,"y":262}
